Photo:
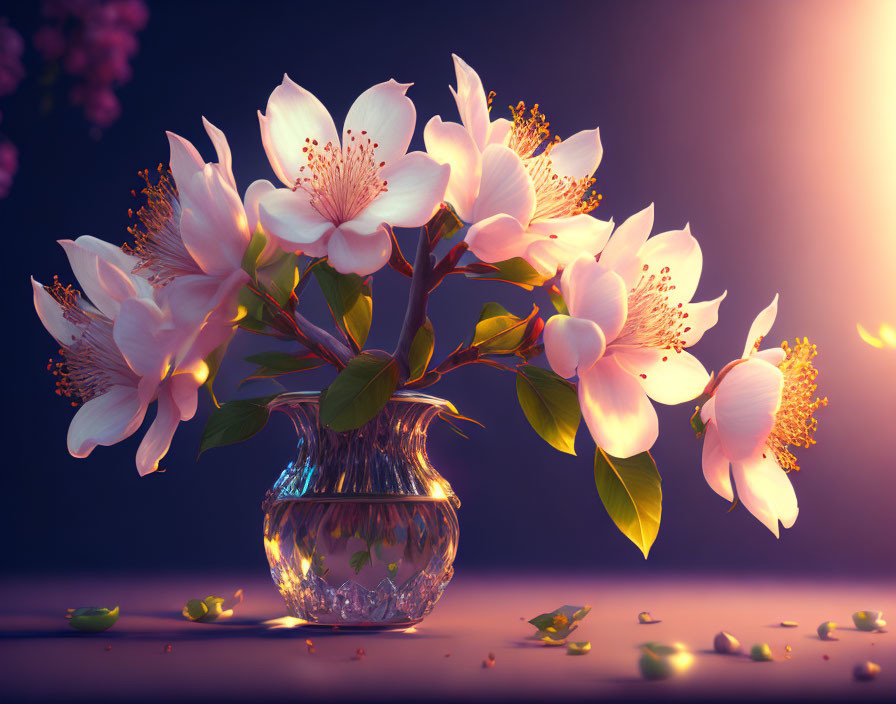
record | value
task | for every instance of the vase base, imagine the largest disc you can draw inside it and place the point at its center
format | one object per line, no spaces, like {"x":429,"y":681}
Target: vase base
{"x":360,"y":627}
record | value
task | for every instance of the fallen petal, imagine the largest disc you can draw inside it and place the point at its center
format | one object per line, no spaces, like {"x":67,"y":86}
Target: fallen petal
{"x":866,"y":671}
{"x":645,"y":617}
{"x":789,"y":624}
{"x":580,"y":648}
{"x":761,"y":653}
{"x":825,"y":630}
{"x":869,"y":620}
{"x":726,"y":643}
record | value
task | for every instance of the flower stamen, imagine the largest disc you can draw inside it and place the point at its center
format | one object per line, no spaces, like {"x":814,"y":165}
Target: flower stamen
{"x":795,"y":424}
{"x":341,"y":181}
{"x":653,"y":320}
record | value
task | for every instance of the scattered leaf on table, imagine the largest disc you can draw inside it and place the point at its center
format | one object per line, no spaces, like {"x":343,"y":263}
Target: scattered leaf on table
{"x":553,"y":642}
{"x":825,"y":630}
{"x":645,"y":617}
{"x":659,"y":661}
{"x":866,"y":671}
{"x":789,"y":624}
{"x":92,"y":619}
{"x":869,"y":620}
{"x":211,"y":608}
{"x":579,"y":648}
{"x":558,"y":624}
{"x":726,"y":643}
{"x":489,"y":662}
{"x":761,"y":652}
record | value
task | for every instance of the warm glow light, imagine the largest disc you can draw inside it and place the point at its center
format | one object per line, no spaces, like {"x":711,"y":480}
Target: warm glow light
{"x":273,"y":548}
{"x":886,"y":336}
{"x":306,"y":565}
{"x":437,"y":492}
{"x":284,"y":622}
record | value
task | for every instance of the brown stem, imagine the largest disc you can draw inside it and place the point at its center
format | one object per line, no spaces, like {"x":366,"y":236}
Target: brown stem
{"x":418,"y":298}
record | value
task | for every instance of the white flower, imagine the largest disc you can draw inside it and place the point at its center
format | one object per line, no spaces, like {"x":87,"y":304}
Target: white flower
{"x":119,"y":353}
{"x":525,"y":196}
{"x":630,"y":320}
{"x":192,"y":238}
{"x":340,"y":194}
{"x":761,"y":405}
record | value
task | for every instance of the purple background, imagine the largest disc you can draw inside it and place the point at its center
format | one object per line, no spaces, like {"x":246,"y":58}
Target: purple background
{"x":768,"y":126}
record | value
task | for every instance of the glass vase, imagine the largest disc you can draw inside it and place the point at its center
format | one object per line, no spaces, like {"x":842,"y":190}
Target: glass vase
{"x":360,"y":530}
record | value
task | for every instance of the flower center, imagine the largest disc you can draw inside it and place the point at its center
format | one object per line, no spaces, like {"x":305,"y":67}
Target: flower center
{"x":158,"y":243}
{"x":341,"y":181}
{"x":795,"y":424}
{"x":91,"y":364}
{"x":555,"y":196}
{"x":653,"y":320}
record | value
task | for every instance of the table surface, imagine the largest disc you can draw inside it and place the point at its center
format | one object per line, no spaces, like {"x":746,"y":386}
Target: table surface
{"x":442,"y":658}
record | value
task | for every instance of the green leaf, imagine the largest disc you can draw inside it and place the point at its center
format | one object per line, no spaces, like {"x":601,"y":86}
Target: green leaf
{"x":631,"y":492}
{"x":235,"y":421}
{"x":349,"y":299}
{"x":359,"y":391}
{"x":551,"y":406}
{"x":93,"y":619}
{"x":253,"y":251}
{"x":253,"y":317}
{"x":557,"y":299}
{"x":498,"y":331}
{"x":213,"y":362}
{"x":422,"y":348}
{"x":697,"y":422}
{"x":515,"y":271}
{"x":271,"y":364}
{"x":444,"y":224}
{"x":279,"y":277}
{"x":358,"y":560}
{"x":559,"y":623}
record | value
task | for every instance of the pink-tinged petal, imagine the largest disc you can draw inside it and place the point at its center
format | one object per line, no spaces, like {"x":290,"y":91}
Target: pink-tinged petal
{"x":572,"y":344}
{"x":52,"y":317}
{"x":578,"y":156}
{"x":765,"y":491}
{"x":618,"y":413}
{"x":138,"y":333}
{"x":716,"y":468}
{"x":680,"y":252}
{"x":103,"y":283}
{"x":449,"y":143}
{"x":290,"y":217}
{"x":701,"y":317}
{"x":222,"y":149}
{"x":292,"y":116}
{"x":594,"y":292}
{"x":708,"y":410}
{"x":505,"y":187}
{"x":253,"y":196}
{"x":746,"y":401}
{"x":191,"y":299}
{"x":760,"y":327}
{"x":666,"y":376}
{"x":112,"y":254}
{"x":773,"y":355}
{"x":498,"y":131}
{"x":105,"y":420}
{"x":471,"y":101}
{"x":498,"y":238}
{"x":566,"y":239}
{"x":185,"y":160}
{"x":621,"y":252}
{"x":387,"y":116}
{"x":184,"y":387}
{"x":157,"y":440}
{"x":351,"y":253}
{"x":416,"y":185}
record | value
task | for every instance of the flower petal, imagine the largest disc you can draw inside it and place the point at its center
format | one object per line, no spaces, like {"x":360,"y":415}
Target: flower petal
{"x":471,"y":102}
{"x":157,"y":440}
{"x":572,"y":343}
{"x":565,"y":239}
{"x":253,"y":196}
{"x":760,"y":327}
{"x":505,"y":186}
{"x":618,"y":413}
{"x":102,"y":282}
{"x":667,"y":376}
{"x":680,"y":252}
{"x":52,"y":317}
{"x":765,"y":491}
{"x":621,"y":252}
{"x":387,"y":116}
{"x":138,"y":333}
{"x":716,"y":468}
{"x":701,"y":317}
{"x":498,"y":131}
{"x":292,"y":116}
{"x":362,"y":254}
{"x":184,"y":388}
{"x":577,"y":156}
{"x":746,"y":401}
{"x":498,"y":238}
{"x":290,"y":217}
{"x":415,"y":187}
{"x":773,"y":355}
{"x":449,"y":143}
{"x":594,"y":292}
{"x":222,"y":149}
{"x":105,"y":420}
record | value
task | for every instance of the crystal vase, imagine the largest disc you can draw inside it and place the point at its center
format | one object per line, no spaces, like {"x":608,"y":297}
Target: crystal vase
{"x":360,"y":530}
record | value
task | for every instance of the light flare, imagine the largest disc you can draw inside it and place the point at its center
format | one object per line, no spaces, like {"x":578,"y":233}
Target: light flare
{"x":886,"y":336}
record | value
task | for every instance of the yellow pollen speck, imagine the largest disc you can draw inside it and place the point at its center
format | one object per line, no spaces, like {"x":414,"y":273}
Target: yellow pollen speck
{"x":795,"y":424}
{"x":653,"y":319}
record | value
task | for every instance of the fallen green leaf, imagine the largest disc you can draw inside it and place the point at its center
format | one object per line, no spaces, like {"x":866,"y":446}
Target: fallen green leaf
{"x":93,"y":619}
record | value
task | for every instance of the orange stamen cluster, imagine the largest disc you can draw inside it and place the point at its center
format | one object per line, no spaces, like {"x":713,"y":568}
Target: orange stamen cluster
{"x":795,"y":424}
{"x":556,"y":196}
{"x":341,"y":181}
{"x":158,"y":243}
{"x":653,"y":320}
